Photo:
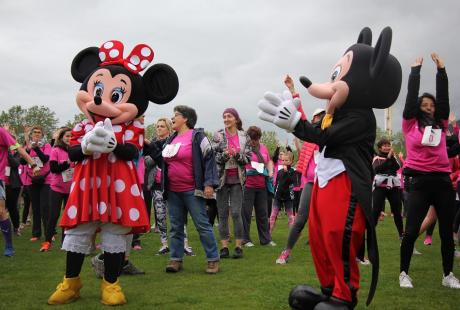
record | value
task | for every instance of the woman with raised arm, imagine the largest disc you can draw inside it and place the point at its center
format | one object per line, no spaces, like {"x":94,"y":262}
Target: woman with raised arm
{"x":427,"y":167}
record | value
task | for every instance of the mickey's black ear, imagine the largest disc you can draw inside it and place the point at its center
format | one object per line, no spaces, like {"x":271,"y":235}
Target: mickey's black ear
{"x":162,"y":83}
{"x":365,"y":36}
{"x":381,"y":52}
{"x":84,"y":63}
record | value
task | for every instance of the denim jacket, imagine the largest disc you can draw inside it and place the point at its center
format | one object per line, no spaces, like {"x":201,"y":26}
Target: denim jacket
{"x":203,"y":157}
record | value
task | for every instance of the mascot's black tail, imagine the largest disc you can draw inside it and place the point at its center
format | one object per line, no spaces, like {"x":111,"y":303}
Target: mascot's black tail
{"x":373,"y":253}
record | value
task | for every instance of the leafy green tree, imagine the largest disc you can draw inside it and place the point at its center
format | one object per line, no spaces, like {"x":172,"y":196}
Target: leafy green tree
{"x":270,"y":140}
{"x":150,"y":132}
{"x":77,"y":118}
{"x":18,"y":118}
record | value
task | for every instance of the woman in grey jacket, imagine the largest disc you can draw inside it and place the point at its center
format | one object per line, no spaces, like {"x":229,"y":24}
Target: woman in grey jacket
{"x":232,"y":154}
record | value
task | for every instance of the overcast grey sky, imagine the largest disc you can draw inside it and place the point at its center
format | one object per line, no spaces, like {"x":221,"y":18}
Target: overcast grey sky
{"x":226,"y":53}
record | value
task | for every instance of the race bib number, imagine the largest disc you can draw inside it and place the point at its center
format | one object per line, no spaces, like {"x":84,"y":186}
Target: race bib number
{"x":7,"y":171}
{"x":431,"y":137}
{"x":38,"y":162}
{"x":67,"y":175}
{"x":171,"y":150}
{"x":258,"y":166}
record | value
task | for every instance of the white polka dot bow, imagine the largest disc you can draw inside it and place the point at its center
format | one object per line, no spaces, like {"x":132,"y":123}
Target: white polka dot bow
{"x":111,"y":53}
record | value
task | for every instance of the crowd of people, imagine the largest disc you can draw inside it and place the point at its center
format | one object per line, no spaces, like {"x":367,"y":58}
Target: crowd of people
{"x":185,"y":174}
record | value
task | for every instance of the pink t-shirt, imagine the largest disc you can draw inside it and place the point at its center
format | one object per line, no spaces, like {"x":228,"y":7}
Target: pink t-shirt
{"x":257,"y":181}
{"x":46,"y":149}
{"x":421,"y":157}
{"x":6,"y":140}
{"x":57,"y":183}
{"x":234,"y":144}
{"x":180,"y":166}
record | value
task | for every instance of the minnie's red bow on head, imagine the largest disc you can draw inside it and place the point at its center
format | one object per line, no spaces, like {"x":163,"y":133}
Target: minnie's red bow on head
{"x":111,"y":53}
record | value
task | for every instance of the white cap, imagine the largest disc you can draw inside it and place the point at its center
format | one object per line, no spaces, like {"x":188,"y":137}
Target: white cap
{"x":318,"y":111}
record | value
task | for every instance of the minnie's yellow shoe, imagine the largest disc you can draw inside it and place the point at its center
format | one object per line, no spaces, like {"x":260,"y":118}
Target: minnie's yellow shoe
{"x":111,"y":293}
{"x":66,"y":291}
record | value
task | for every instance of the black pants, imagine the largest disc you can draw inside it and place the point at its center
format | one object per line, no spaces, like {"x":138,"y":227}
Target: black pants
{"x":394,"y":198}
{"x":424,"y":191}
{"x":257,"y":199}
{"x":12,"y":197}
{"x":269,"y":203}
{"x":40,"y":195}
{"x":211,"y":210}
{"x":27,"y":202}
{"x":57,"y":201}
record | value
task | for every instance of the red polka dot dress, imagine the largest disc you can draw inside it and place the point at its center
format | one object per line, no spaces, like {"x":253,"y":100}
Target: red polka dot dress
{"x":105,"y":188}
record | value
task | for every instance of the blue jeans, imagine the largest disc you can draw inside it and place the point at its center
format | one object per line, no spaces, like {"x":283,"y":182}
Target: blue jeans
{"x":178,"y":205}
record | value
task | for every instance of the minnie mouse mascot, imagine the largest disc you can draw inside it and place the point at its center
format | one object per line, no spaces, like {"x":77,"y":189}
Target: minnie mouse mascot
{"x":365,"y":77}
{"x":105,"y":193}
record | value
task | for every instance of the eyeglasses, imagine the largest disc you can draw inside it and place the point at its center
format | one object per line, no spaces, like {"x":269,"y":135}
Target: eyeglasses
{"x":36,"y":131}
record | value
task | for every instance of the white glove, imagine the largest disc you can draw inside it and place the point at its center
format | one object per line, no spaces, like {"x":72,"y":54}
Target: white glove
{"x":280,"y":110}
{"x":100,"y":139}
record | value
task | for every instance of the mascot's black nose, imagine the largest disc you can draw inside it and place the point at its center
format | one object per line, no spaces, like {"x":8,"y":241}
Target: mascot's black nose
{"x":305,"y":81}
{"x":97,"y":100}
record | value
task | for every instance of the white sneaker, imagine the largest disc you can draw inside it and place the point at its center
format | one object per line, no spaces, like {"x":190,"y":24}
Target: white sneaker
{"x":451,"y":281}
{"x":249,"y":244}
{"x":415,"y":252}
{"x":405,"y":281}
{"x":271,"y":243}
{"x":364,"y":262}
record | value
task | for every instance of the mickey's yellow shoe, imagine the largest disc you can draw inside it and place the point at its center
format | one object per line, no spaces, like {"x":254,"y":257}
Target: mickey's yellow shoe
{"x":111,"y":293}
{"x":66,"y":291}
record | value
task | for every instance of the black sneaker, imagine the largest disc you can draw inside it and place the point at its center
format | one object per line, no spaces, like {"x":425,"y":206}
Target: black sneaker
{"x":238,"y":253}
{"x":224,"y":253}
{"x":130,"y":269}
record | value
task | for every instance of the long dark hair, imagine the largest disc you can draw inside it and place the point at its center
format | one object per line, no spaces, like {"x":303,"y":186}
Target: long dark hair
{"x":423,"y":118}
{"x":59,"y":142}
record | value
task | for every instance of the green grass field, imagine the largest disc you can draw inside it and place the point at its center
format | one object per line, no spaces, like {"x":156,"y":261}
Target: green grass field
{"x":254,"y":282}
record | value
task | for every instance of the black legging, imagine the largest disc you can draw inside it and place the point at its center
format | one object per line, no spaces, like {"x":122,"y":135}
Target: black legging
{"x":57,"y":201}
{"x":211,"y":210}
{"x":12,"y":197}
{"x":426,"y":190}
{"x":394,"y":198}
{"x":27,"y":203}
{"x":40,"y":196}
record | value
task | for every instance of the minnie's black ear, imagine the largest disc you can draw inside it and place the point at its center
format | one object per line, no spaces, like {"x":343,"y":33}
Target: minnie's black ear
{"x":365,"y":36}
{"x":381,"y":52}
{"x":84,"y":63}
{"x":162,"y":83}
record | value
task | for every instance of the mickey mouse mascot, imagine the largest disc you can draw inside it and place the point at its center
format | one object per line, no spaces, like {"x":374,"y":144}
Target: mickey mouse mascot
{"x":365,"y":77}
{"x":105,"y":193}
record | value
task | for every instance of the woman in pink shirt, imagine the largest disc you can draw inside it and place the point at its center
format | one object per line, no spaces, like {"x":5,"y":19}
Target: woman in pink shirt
{"x":40,"y":152}
{"x":255,"y":189}
{"x":61,"y":178}
{"x":425,"y":121}
{"x":189,"y":177}
{"x":232,"y":154}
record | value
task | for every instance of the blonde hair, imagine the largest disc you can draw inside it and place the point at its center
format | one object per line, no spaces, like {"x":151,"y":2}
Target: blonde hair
{"x":167,"y":122}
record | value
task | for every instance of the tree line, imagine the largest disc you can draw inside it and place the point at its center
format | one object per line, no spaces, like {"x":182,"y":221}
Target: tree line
{"x":18,"y":119}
